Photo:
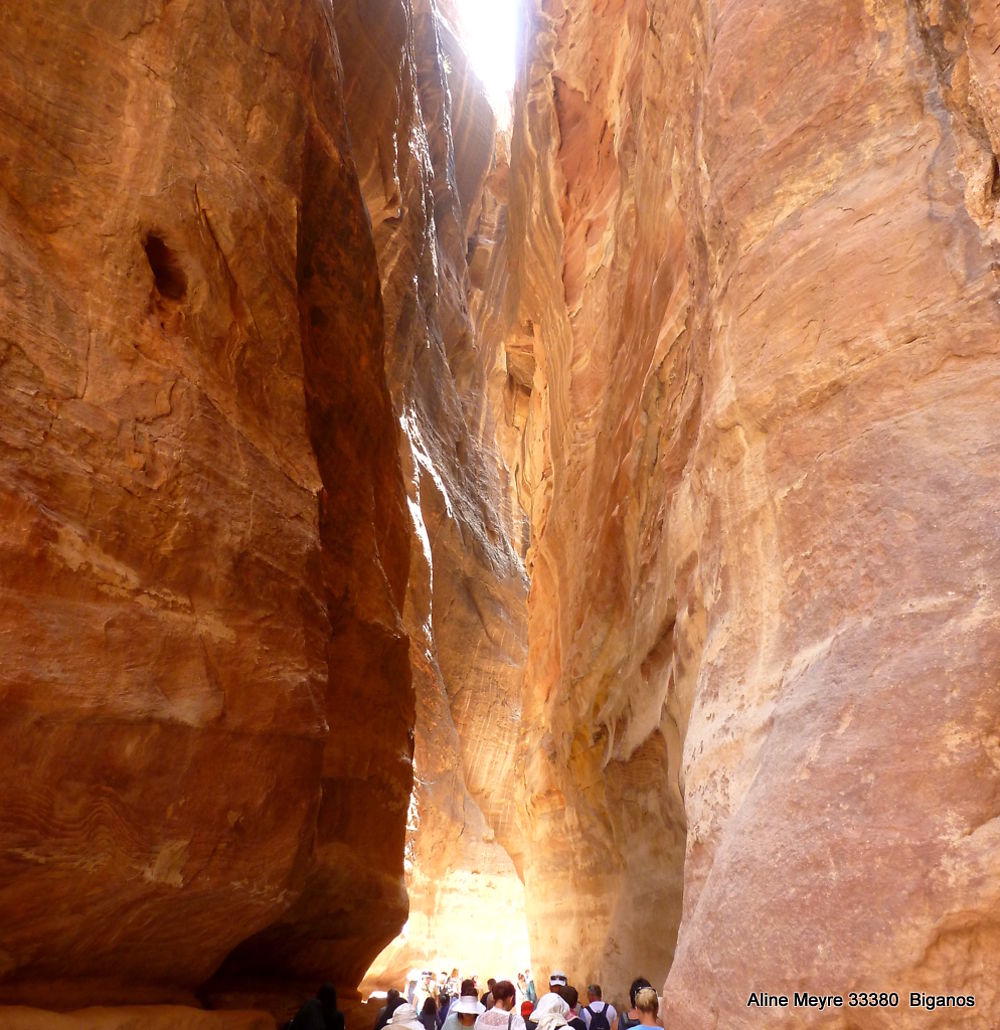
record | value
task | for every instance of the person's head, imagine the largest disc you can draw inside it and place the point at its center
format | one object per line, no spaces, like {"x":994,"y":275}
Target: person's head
{"x":504,"y":995}
{"x":430,"y":1007}
{"x":557,"y":979}
{"x":520,"y":978}
{"x":526,"y":1009}
{"x":491,"y":983}
{"x":327,"y":995}
{"x":394,"y":1003}
{"x":637,"y":985}
{"x":647,"y":1004}
{"x":571,"y":994}
{"x":468,"y":988}
{"x":593,"y":992}
{"x":391,"y":995}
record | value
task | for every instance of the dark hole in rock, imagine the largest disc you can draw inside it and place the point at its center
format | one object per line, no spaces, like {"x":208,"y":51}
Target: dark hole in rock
{"x":995,"y":178}
{"x":168,"y":275}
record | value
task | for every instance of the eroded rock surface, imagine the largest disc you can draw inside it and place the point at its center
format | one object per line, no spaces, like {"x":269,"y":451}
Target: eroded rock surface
{"x":216,"y":590}
{"x":288,"y":340}
{"x":136,"y":1017}
{"x":424,"y":173}
{"x":754,"y":253}
{"x":204,"y":541}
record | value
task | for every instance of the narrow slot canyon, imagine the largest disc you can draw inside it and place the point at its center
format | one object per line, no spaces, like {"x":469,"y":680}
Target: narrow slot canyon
{"x":554,"y":528}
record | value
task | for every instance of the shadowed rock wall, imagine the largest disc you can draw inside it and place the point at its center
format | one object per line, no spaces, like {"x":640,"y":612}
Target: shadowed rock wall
{"x":424,"y":143}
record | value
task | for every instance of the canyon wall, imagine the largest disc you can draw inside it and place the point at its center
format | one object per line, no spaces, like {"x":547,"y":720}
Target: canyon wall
{"x":754,"y":352}
{"x":304,"y":374}
{"x":205,"y":536}
{"x":238,"y":600}
{"x":424,"y":142}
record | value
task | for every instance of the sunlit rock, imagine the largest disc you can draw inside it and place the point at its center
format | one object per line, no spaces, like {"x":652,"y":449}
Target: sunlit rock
{"x":753,"y":252}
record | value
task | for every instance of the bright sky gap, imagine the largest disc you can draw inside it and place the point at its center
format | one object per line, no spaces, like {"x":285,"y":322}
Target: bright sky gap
{"x":488,"y":30}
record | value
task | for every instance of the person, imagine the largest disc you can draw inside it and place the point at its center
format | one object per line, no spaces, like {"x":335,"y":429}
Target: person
{"x":319,"y":1013}
{"x":549,"y":1004}
{"x":647,"y":1003}
{"x":526,"y":1009}
{"x":572,"y":997}
{"x":444,"y":1002}
{"x":466,"y":1009}
{"x":529,"y":987}
{"x":630,"y":1017}
{"x":425,"y":990}
{"x":405,"y":1018}
{"x":468,"y":989}
{"x":392,"y":1002}
{"x":428,"y":1014}
{"x":557,"y":979}
{"x":549,"y":1014}
{"x":502,"y":1016}
{"x":606,"y":1016}
{"x":487,"y":998}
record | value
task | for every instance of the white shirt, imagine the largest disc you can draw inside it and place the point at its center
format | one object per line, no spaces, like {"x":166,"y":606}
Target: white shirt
{"x":599,"y":1006}
{"x":497,"y":1019}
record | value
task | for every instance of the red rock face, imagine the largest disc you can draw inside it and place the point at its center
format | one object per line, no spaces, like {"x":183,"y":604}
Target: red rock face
{"x":286,"y":339}
{"x":204,"y":539}
{"x":424,"y":143}
{"x":214,"y":608}
{"x":154,"y":1017}
{"x":754,"y":256}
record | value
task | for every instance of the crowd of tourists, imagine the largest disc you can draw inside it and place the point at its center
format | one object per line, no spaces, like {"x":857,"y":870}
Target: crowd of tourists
{"x":447,"y":1003}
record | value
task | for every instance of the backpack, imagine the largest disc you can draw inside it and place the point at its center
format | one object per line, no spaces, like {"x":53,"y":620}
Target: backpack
{"x":598,"y":1020}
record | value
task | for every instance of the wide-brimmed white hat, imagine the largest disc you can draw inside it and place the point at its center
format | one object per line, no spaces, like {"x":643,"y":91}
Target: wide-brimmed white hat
{"x":469,"y":1005}
{"x":406,"y":1018}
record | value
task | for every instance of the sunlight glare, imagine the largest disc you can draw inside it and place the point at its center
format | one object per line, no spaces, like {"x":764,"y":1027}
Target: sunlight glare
{"x":488,"y":32}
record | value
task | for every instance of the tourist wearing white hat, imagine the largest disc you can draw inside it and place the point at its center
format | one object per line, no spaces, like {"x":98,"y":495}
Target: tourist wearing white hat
{"x":551,"y":1013}
{"x":553,"y":1001}
{"x":467,"y":1008}
{"x":552,"y":1010}
{"x":405,"y":1018}
{"x":454,"y":1021}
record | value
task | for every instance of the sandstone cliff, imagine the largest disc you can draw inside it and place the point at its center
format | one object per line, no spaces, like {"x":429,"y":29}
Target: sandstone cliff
{"x":423,"y":173}
{"x":305,"y":375}
{"x":754,"y":268}
{"x":205,"y":538}
{"x":235,"y":263}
